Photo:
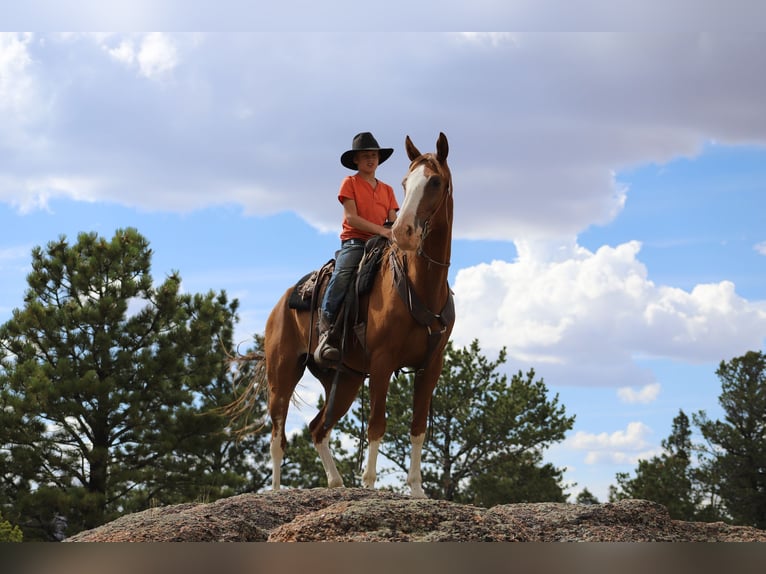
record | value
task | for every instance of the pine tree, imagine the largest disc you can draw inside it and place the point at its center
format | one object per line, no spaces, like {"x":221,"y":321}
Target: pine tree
{"x":8,"y":532}
{"x":109,"y":387}
{"x":734,"y":462}
{"x":586,"y":497}
{"x":483,"y":429}
{"x":666,"y":479}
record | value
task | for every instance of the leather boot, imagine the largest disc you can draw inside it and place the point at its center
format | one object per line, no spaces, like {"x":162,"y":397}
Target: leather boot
{"x":326,"y":351}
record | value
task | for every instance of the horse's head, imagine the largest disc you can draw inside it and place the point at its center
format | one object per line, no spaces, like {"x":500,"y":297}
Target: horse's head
{"x":427,"y":191}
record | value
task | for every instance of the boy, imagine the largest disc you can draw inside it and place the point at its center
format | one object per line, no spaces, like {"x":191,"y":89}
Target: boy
{"x":368,"y":204}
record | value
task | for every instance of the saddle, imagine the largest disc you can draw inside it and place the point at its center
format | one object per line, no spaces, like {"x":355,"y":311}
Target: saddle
{"x":305,"y":296}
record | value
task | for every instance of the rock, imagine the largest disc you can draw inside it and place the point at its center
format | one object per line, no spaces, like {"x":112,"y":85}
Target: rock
{"x":361,"y":515}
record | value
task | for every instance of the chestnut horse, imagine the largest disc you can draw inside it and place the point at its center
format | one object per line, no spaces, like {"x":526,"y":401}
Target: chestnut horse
{"x":409,"y":314}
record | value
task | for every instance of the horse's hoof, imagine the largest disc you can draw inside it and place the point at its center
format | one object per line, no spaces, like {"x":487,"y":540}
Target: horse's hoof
{"x":417,"y":493}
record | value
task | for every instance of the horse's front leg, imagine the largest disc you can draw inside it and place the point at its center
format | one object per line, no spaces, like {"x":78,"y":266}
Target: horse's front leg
{"x":320,"y":427}
{"x":277,"y":452}
{"x":379,"y":382}
{"x":334,"y":479}
{"x":424,"y":384}
{"x":414,"y":478}
{"x":370,"y":472}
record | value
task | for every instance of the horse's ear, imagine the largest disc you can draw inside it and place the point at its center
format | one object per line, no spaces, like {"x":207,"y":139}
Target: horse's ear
{"x":442,"y":148}
{"x":412,"y":151}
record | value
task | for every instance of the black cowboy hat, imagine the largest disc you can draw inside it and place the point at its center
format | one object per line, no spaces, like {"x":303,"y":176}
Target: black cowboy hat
{"x":363,"y":142}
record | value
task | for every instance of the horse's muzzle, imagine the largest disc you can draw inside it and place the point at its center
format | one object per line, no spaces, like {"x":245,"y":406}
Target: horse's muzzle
{"x":406,"y":235}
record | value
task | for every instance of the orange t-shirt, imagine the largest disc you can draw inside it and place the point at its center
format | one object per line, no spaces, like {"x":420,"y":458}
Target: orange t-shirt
{"x":371,"y":204}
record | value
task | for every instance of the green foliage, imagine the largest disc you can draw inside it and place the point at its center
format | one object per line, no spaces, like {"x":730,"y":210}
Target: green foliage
{"x":8,"y":532}
{"x":729,"y":482}
{"x":668,"y":479}
{"x":109,"y":389}
{"x":521,"y":478}
{"x":485,"y":432}
{"x":586,"y":497}
{"x":734,"y":459}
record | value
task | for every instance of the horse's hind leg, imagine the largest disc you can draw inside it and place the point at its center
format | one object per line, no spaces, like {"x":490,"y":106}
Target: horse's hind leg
{"x":284,"y":372}
{"x":379,"y":383}
{"x":348,"y":388}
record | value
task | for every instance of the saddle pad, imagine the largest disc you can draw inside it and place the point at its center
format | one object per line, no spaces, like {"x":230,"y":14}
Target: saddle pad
{"x":303,"y":293}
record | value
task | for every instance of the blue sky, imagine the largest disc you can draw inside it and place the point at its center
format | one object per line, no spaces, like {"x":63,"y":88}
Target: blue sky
{"x":610,"y":189}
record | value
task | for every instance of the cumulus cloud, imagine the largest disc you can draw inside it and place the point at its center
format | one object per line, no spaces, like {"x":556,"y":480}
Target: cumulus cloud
{"x":14,"y":61}
{"x":124,"y":52}
{"x":157,"y":55}
{"x":582,"y":317}
{"x":539,"y":124}
{"x":153,"y":55}
{"x":760,"y":247}
{"x":20,"y":103}
{"x":644,"y":395}
{"x":620,"y":447}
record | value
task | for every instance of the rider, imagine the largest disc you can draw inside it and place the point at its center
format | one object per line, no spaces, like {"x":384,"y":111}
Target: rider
{"x":368,"y":204}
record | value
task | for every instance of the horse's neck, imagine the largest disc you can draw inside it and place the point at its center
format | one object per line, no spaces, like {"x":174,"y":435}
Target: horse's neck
{"x":428,"y":271}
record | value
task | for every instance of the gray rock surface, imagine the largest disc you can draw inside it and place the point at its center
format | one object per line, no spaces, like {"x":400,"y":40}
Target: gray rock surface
{"x":360,"y":515}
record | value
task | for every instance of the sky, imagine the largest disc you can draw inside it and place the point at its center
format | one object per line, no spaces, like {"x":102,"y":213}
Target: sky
{"x":610,"y":188}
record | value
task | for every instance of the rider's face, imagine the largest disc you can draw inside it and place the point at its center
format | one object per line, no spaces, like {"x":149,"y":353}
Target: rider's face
{"x":366,"y":161}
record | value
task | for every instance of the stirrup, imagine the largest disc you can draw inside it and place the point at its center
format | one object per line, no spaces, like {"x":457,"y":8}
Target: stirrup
{"x":326,"y":352}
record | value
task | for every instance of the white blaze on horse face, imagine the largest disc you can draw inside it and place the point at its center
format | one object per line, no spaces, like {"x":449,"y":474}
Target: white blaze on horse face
{"x":406,"y":231}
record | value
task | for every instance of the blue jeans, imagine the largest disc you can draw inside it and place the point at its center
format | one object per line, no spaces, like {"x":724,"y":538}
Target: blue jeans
{"x":346,"y":262}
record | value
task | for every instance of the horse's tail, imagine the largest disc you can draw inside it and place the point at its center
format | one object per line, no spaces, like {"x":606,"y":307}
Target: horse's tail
{"x":249,"y":383}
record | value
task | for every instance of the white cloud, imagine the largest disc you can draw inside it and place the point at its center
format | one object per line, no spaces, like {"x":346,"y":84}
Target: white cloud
{"x":14,"y":61}
{"x":494,"y":39}
{"x":36,"y":193}
{"x":581,"y":317}
{"x":644,"y":395}
{"x":760,"y":247}
{"x":632,"y":438}
{"x":20,"y":103}
{"x":531,"y":137}
{"x":619,"y":447}
{"x":124,"y":52}
{"x":157,"y":55}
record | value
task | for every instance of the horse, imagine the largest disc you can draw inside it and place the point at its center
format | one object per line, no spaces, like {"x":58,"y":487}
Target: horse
{"x":408,"y":315}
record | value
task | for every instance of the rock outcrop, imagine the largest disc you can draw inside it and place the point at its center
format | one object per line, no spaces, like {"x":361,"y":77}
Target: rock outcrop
{"x":360,"y":515}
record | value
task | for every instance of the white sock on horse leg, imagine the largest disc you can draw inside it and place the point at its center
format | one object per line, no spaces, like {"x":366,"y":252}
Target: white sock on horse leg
{"x":370,"y":472}
{"x":414,"y":479}
{"x":334,"y":479}
{"x":276,"y":461}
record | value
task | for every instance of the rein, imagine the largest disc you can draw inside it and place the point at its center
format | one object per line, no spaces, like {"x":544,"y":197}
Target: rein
{"x":420,"y":312}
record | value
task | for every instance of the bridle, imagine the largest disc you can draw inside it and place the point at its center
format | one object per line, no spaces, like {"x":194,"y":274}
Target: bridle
{"x":420,"y":251}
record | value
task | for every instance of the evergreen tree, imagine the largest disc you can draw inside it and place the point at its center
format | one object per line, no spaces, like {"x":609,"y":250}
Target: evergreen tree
{"x":586,"y":497}
{"x":109,"y":387}
{"x":734,"y":462}
{"x":483,"y":429}
{"x":8,"y":532}
{"x":520,"y":478}
{"x":666,"y":479}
